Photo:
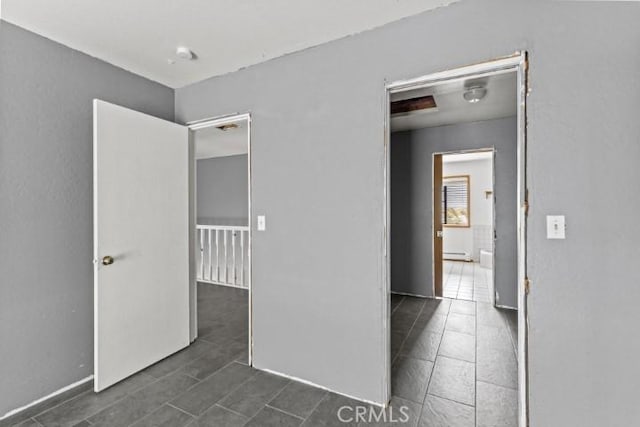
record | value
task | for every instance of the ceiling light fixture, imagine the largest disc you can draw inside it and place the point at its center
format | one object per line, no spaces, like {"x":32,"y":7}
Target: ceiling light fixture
{"x":185,"y":53}
{"x":474,"y":94}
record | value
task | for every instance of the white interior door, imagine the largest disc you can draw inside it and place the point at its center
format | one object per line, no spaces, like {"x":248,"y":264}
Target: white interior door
{"x":141,"y":241}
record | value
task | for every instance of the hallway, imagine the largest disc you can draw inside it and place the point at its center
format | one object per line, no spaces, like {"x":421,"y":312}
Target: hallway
{"x":454,"y":361}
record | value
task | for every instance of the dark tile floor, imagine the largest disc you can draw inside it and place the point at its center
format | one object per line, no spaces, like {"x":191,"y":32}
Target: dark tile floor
{"x":456,"y":360}
{"x":440,"y":376}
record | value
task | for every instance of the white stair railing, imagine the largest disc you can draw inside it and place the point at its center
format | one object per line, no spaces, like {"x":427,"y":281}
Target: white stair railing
{"x":224,"y":255}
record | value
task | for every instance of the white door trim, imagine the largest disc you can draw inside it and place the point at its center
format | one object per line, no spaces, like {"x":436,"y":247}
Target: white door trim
{"x":514,"y":63}
{"x":203,"y":124}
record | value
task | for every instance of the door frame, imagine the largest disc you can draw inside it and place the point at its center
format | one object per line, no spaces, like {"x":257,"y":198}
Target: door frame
{"x":491,"y":150}
{"x":194,"y":126}
{"x":518,"y":63}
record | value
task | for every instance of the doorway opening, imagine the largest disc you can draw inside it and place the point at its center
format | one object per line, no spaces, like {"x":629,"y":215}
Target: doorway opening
{"x":464,"y":238}
{"x":455,"y":190}
{"x":165,"y":273}
{"x":221,"y":258}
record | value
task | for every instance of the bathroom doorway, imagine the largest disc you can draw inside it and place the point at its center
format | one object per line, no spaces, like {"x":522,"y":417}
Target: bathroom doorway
{"x":464,"y":224}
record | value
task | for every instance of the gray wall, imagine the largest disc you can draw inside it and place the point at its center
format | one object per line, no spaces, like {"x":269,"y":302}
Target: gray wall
{"x":412,"y":202}
{"x":317,"y":170}
{"x":222,"y":187}
{"x":46,"y":273}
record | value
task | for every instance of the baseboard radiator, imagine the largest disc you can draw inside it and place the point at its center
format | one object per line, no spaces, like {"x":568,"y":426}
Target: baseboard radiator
{"x":457,"y":256}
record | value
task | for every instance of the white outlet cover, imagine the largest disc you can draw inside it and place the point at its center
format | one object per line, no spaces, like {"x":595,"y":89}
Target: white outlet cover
{"x":262,"y":223}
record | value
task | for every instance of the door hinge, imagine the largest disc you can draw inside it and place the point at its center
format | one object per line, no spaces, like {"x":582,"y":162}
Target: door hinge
{"x":527,"y":285}
{"x":526,"y":202}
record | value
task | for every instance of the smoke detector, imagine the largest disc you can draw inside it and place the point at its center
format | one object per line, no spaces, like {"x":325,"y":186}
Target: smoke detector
{"x":185,"y":53}
{"x":474,"y":94}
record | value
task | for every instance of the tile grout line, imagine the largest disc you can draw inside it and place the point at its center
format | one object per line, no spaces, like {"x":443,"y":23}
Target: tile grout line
{"x":451,"y":400}
{"x":218,"y":404}
{"x":278,"y":393}
{"x":403,"y":297}
{"x":181,"y":410}
{"x":231,"y":391}
{"x":283,"y":411}
{"x":413,"y":324}
{"x":55,"y":406}
{"x":129,"y":393}
{"x":240,"y":385}
{"x":475,"y":368}
{"x":166,"y":402}
{"x":317,"y":405}
{"x":426,"y":393}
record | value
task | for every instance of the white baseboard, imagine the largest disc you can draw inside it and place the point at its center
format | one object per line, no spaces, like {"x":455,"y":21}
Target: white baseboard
{"x":411,"y":295}
{"x":300,"y":380}
{"x":47,"y":397}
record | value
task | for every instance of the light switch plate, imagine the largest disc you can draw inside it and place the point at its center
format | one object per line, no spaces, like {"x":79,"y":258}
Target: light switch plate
{"x":555,"y":227}
{"x":262,"y":223}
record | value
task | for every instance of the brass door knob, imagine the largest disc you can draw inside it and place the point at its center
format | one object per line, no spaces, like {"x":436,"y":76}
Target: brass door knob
{"x":108,"y":260}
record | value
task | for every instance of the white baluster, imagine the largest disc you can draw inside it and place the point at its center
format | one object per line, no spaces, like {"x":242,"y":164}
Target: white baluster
{"x":217,"y":258}
{"x":233,"y":248}
{"x":210,"y":255}
{"x":226,"y":258}
{"x":242,"y":258}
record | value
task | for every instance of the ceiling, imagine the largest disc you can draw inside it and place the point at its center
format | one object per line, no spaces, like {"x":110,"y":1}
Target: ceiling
{"x":226,"y":35}
{"x":451,"y":108}
{"x":212,"y":142}
{"x":467,"y":157}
